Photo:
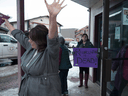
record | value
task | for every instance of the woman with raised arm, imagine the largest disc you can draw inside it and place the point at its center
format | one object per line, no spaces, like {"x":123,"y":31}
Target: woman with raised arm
{"x":40,"y":62}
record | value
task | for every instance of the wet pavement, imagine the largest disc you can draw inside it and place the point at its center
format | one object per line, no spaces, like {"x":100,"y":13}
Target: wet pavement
{"x":9,"y":82}
{"x":73,"y":82}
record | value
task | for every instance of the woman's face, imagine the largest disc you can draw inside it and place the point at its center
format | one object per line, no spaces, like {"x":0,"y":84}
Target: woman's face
{"x":33,"y":44}
{"x":84,"y":38}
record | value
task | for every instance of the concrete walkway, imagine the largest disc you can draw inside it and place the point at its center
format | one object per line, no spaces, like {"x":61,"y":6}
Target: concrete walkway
{"x":73,"y":82}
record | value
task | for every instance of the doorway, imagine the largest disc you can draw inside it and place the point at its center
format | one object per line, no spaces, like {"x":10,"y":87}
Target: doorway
{"x":97,"y":44}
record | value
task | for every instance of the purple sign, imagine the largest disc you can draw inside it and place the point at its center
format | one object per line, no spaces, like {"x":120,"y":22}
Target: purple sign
{"x":3,"y":16}
{"x":85,"y":57}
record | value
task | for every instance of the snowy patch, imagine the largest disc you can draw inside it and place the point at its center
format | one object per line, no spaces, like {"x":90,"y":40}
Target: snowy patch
{"x":10,"y":92}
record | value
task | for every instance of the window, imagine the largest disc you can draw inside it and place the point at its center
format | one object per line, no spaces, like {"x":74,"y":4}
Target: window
{"x":5,"y":38}
{"x":13,"y":40}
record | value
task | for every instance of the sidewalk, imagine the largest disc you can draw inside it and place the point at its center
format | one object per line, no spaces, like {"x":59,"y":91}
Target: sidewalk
{"x":73,"y":82}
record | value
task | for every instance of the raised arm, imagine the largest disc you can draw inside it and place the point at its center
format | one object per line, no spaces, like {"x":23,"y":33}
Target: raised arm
{"x":18,"y":34}
{"x":53,"y":10}
{"x":9,"y":26}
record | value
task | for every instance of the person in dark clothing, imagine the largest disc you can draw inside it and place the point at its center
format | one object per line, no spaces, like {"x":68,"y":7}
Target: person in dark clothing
{"x":84,"y":43}
{"x":121,"y":78}
{"x":64,"y":67}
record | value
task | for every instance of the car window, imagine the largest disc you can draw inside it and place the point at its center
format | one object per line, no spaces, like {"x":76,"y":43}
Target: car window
{"x":0,"y":39}
{"x":13,"y":40}
{"x":4,"y":38}
{"x":74,"y":42}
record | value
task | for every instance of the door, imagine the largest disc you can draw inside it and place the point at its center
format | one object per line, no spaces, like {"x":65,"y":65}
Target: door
{"x":97,"y":44}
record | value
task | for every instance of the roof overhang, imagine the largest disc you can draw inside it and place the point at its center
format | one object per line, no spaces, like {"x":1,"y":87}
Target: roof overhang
{"x":86,"y":3}
{"x":37,"y":18}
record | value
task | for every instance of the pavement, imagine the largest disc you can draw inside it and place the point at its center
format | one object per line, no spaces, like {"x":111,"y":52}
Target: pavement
{"x":8,"y":70}
{"x":73,"y":82}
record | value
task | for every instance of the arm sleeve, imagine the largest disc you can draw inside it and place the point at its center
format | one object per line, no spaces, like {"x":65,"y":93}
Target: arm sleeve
{"x":21,"y":38}
{"x":91,"y":45}
{"x":53,"y":46}
{"x":60,"y":53}
{"x":79,"y":43}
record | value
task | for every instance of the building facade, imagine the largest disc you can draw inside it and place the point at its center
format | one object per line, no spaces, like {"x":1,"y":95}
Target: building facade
{"x":80,"y":32}
{"x":117,"y":34}
{"x":68,"y":33}
{"x":31,"y":23}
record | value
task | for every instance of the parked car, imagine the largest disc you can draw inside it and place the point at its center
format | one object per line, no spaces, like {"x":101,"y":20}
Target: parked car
{"x":8,"y":47}
{"x":73,"y":44}
{"x":68,"y":40}
{"x":67,"y":43}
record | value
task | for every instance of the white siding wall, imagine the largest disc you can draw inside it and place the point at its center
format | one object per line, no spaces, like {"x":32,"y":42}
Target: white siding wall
{"x":44,"y":20}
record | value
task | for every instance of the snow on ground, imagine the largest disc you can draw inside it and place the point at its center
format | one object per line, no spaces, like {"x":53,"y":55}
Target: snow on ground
{"x":10,"y":92}
{"x":8,"y":70}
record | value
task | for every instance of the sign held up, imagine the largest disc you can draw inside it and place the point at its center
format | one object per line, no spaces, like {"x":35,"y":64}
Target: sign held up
{"x":3,"y":16}
{"x":85,"y":57}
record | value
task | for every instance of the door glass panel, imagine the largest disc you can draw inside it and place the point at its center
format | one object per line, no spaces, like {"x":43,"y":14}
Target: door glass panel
{"x":117,"y":38}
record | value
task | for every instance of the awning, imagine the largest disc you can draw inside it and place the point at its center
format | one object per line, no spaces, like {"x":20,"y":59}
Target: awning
{"x":86,"y":3}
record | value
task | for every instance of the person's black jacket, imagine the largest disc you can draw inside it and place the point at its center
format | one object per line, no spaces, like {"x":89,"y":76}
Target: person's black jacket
{"x":88,"y":44}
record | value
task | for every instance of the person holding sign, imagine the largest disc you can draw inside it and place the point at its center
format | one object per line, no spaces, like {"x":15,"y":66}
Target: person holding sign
{"x":3,"y":16}
{"x":40,"y":62}
{"x":84,"y":43}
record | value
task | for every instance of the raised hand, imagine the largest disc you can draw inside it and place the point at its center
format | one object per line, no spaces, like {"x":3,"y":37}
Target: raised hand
{"x":8,"y":25}
{"x":54,"y":8}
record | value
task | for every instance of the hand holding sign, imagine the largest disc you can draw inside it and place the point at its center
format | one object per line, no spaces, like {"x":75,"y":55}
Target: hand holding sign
{"x":3,"y":16}
{"x":8,"y":25}
{"x":85,"y":57}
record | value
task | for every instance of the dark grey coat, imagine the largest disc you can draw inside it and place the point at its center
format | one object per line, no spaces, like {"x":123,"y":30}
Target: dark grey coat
{"x":41,"y":76}
{"x":118,"y":65}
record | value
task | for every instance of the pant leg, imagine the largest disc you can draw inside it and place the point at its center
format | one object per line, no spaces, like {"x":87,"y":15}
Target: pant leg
{"x":122,"y":86}
{"x":65,"y":81}
{"x":61,"y":74}
{"x":81,"y":70}
{"x":86,"y":70}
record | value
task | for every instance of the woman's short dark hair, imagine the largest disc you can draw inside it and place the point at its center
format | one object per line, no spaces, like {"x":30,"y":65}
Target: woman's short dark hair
{"x":61,"y":40}
{"x":38,"y":34}
{"x":86,"y":36}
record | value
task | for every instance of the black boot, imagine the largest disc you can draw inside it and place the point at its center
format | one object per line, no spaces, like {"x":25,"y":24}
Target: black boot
{"x":86,"y":80}
{"x":81,"y":80}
